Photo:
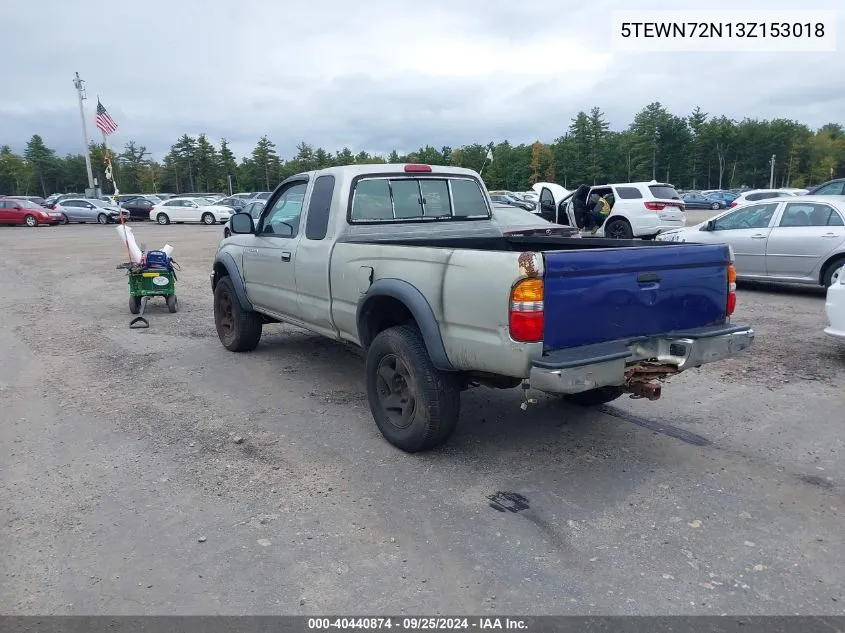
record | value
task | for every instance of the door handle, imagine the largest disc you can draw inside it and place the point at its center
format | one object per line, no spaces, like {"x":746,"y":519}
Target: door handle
{"x":830,"y":235}
{"x":758,"y":236}
{"x":285,"y":256}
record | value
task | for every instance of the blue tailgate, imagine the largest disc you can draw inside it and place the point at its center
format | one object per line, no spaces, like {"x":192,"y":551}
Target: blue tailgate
{"x":593,"y":296}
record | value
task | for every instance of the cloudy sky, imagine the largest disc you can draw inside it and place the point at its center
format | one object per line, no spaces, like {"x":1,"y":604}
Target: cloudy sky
{"x":375,"y":75}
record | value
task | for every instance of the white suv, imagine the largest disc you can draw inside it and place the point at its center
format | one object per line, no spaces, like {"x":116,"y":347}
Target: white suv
{"x":638,"y":209}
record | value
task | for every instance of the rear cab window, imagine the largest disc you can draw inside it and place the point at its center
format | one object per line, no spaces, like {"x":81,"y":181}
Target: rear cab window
{"x":402,"y":199}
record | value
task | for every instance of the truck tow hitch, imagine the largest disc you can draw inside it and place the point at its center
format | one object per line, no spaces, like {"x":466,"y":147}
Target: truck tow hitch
{"x":643,"y":380}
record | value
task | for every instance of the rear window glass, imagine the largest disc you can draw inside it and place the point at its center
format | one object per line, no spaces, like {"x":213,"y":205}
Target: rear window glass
{"x":628,"y":193}
{"x":664,"y":192}
{"x":386,"y":199}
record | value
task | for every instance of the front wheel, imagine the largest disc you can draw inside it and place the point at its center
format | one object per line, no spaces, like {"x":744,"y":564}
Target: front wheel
{"x":415,"y":405}
{"x":618,"y":230}
{"x":102,"y":218}
{"x":594,"y":397}
{"x":162,"y":219}
{"x":208,"y":218}
{"x":239,"y":330}
{"x":30,"y":220}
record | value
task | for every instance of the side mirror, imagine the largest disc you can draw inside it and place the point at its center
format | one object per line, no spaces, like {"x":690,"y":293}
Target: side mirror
{"x":710,"y":226}
{"x":242,"y":224}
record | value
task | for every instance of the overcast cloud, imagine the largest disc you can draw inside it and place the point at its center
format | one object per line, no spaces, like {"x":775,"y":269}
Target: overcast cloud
{"x":374,"y":75}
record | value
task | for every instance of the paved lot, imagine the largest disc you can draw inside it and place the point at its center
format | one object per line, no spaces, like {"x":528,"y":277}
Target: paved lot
{"x":117,"y":458}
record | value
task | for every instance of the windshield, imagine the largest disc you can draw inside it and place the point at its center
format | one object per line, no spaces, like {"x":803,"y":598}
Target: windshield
{"x":517,"y":217}
{"x":28,"y":204}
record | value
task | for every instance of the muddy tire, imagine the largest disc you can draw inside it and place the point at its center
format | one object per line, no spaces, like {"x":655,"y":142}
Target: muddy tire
{"x":239,"y":330}
{"x":415,"y":405}
{"x":594,"y":397}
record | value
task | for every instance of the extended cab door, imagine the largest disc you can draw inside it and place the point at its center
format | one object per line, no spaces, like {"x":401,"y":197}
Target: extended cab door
{"x":270,"y":254}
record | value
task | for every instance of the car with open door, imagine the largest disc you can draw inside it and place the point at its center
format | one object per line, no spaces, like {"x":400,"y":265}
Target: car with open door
{"x":637,"y":209}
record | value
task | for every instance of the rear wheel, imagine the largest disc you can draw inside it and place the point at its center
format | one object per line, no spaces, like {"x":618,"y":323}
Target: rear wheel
{"x":162,"y":219}
{"x":30,"y":220}
{"x":134,"y":304}
{"x":208,"y":218}
{"x":227,"y":233}
{"x":415,"y":405}
{"x":65,"y":219}
{"x":239,"y":330}
{"x":715,"y":206}
{"x":594,"y":397}
{"x":172,"y":303}
{"x":833,"y":271}
{"x":618,"y":229}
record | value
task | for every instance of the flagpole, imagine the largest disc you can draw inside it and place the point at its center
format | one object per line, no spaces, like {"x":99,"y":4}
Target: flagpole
{"x":80,"y":91}
{"x":108,"y":158}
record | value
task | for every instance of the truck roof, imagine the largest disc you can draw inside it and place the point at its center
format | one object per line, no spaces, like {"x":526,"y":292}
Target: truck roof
{"x":388,"y":168}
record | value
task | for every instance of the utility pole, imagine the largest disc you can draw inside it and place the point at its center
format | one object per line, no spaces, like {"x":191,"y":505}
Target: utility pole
{"x":80,"y":91}
{"x":772,"y":174}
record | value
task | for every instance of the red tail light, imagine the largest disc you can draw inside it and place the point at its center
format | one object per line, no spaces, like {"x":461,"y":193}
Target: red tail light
{"x":414,"y":167}
{"x":731,"y":303}
{"x":655,"y":206}
{"x":526,"y":311}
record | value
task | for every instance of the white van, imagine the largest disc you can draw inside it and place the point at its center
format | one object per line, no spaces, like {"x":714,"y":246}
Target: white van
{"x":638,"y":209}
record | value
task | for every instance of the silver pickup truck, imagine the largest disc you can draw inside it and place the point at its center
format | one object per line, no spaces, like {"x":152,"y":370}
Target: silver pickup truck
{"x":406,"y":262}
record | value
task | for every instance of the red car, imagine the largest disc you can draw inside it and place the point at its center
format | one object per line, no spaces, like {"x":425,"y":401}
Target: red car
{"x":14,"y":211}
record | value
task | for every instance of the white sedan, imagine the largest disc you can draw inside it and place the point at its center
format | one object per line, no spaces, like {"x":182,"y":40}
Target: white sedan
{"x":793,"y":239}
{"x":189,"y":210}
{"x":835,"y":305}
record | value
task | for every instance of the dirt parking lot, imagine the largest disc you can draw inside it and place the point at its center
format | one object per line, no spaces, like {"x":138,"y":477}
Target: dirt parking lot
{"x":124,"y":488}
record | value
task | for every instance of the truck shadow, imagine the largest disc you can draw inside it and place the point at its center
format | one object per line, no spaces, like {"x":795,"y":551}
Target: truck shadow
{"x":490,"y":418}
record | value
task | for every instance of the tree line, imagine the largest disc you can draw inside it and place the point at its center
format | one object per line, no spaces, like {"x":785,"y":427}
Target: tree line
{"x":693,"y":151}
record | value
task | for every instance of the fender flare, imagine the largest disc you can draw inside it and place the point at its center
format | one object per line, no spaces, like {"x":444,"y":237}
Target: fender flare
{"x":419,"y":308}
{"x":228,"y":262}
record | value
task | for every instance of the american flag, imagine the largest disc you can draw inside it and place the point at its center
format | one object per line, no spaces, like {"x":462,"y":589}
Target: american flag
{"x":104,"y":121}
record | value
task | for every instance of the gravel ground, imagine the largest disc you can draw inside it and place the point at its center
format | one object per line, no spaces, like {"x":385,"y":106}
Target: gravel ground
{"x":153,"y":472}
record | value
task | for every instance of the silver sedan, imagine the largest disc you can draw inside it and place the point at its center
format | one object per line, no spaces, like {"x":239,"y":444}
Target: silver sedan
{"x":790,"y":239}
{"x":88,"y":210}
